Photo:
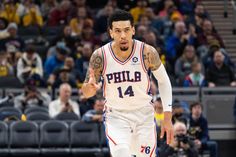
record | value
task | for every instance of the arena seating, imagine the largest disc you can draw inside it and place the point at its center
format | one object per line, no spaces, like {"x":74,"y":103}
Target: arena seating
{"x":52,"y":138}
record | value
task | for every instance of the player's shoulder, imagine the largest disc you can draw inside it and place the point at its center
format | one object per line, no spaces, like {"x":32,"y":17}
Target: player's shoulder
{"x":148,"y":49}
{"x":97,"y":52}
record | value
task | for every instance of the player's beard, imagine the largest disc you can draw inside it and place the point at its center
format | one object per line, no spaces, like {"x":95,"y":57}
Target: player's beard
{"x":124,"y":48}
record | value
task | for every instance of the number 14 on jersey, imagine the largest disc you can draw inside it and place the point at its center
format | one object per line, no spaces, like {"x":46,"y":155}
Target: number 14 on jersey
{"x":129,"y":92}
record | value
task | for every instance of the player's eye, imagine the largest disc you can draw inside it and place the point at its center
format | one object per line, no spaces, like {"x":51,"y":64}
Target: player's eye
{"x":117,"y":31}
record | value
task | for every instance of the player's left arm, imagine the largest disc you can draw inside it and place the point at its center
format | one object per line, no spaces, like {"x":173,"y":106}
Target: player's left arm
{"x":152,"y":61}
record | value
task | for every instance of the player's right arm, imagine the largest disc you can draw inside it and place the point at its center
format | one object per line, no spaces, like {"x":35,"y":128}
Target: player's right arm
{"x":90,"y":85}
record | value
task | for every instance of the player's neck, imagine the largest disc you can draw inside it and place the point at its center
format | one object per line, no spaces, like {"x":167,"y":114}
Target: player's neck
{"x":122,"y":55}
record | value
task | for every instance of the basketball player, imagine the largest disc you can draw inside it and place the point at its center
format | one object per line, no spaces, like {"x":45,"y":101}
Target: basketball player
{"x":129,"y":115}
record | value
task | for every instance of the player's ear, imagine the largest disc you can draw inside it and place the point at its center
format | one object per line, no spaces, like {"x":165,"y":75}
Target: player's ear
{"x":133,"y":30}
{"x":110,"y":32}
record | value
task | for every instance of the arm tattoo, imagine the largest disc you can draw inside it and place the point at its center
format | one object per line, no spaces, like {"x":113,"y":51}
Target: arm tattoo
{"x":96,"y":63}
{"x":151,"y":58}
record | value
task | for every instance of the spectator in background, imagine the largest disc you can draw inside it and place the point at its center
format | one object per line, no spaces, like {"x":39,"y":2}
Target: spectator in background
{"x":101,"y":20}
{"x":76,"y":4}
{"x":209,"y":35}
{"x":175,"y":44}
{"x":3,"y":28}
{"x":82,"y":63}
{"x":13,"y":38}
{"x":182,"y":145}
{"x":186,"y":7}
{"x":13,"y":55}
{"x":64,"y":39}
{"x":9,"y":11}
{"x":59,"y":15}
{"x":220,"y":73}
{"x":55,"y":61}
{"x":77,"y":23}
{"x":197,"y":18}
{"x":96,"y":114}
{"x":198,"y":129}
{"x":31,"y":14}
{"x":164,"y":12}
{"x":31,"y":97}
{"x":30,"y":65}
{"x":140,"y":32}
{"x":179,"y":112}
{"x":150,"y":37}
{"x":66,"y":74}
{"x":64,"y":102}
{"x":6,"y":69}
{"x":88,"y":36}
{"x":139,"y":9}
{"x":47,"y":6}
{"x":195,"y":78}
{"x":183,"y":63}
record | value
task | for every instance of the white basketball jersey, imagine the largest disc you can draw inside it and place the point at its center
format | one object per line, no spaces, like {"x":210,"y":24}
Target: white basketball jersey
{"x":126,"y":83}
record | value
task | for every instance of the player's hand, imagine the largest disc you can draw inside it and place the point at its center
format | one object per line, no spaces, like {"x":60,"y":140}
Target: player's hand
{"x":91,"y":87}
{"x":92,"y":80}
{"x":167,"y":127}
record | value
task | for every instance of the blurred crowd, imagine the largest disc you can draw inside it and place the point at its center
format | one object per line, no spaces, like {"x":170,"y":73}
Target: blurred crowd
{"x":49,"y":43}
{"x":52,"y":40}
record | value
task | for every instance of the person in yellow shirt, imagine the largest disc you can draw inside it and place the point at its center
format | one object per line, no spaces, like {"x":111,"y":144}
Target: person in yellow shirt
{"x":138,"y":10}
{"x":9,"y":12}
{"x":77,"y":23}
{"x":32,"y":14}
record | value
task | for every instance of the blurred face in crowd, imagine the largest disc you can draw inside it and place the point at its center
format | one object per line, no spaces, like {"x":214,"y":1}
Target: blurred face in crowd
{"x":65,"y":92}
{"x":2,"y":25}
{"x":12,"y":32}
{"x":108,"y":10}
{"x":30,"y":55}
{"x":168,"y":4}
{"x":82,"y":13}
{"x":144,"y":20}
{"x":142,"y":3}
{"x":87,"y":50}
{"x":150,"y":38}
{"x":199,"y":10}
{"x":64,"y":76}
{"x":3,"y":57}
{"x":69,"y":62}
{"x":80,"y":2}
{"x":180,"y":28}
{"x":65,"y":5}
{"x":122,"y":33}
{"x":99,"y":105}
{"x":196,"y":111}
{"x":87,"y":32}
{"x":207,"y":27}
{"x":218,"y":58}
{"x":189,"y":52}
{"x":180,"y":128}
{"x":67,"y":31}
{"x":141,"y":30}
{"x":196,"y":68}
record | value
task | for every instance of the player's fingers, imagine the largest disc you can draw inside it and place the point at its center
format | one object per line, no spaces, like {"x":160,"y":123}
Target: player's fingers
{"x":172,"y":134}
{"x":91,"y":75}
{"x":162,"y":130}
{"x":168,"y":136}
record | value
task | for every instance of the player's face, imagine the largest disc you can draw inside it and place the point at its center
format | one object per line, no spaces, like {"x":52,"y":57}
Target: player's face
{"x":122,"y":33}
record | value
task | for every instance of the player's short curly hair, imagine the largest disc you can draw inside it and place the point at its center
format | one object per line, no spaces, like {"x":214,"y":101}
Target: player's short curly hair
{"x":120,"y":15}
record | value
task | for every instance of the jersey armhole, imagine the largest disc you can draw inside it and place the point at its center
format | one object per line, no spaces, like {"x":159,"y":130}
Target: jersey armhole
{"x":142,"y":57}
{"x":104,"y":60}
